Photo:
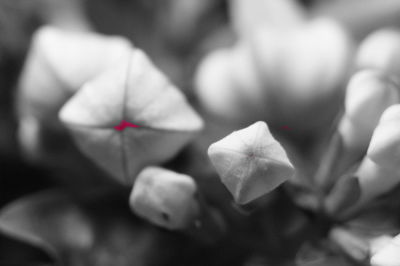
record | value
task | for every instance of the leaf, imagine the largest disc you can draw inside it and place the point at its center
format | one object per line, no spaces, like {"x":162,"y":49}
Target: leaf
{"x":65,"y":225}
{"x":96,"y":231}
{"x":135,"y":93}
{"x":18,"y":253}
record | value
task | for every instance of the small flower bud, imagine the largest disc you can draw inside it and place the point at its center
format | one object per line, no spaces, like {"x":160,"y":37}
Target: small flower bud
{"x":250,"y":162}
{"x":369,"y":93}
{"x":291,"y":63}
{"x":378,"y":172}
{"x":384,"y":148}
{"x":226,"y":84}
{"x":215,"y":88}
{"x":380,"y":50}
{"x":166,"y":198}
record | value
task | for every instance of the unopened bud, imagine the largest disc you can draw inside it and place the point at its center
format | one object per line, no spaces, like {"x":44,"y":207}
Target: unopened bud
{"x":250,"y":162}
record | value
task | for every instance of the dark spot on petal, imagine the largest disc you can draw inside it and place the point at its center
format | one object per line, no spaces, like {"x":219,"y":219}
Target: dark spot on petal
{"x":165,"y":216}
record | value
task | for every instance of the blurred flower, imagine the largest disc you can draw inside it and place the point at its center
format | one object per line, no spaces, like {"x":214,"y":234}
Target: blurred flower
{"x":91,"y":106}
{"x":275,"y":75}
{"x":380,"y":50}
{"x":368,"y":94}
{"x":58,"y":63}
{"x":378,"y":172}
{"x":137,"y":92}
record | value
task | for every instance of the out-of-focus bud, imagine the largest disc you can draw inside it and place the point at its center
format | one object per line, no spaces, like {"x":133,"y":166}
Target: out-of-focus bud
{"x":276,"y":76}
{"x":381,"y":50}
{"x":173,"y":201}
{"x":388,"y":255}
{"x":129,"y":117}
{"x":384,"y":148}
{"x":226,"y":84}
{"x":379,"y":172}
{"x":215,"y":88}
{"x":165,"y":198}
{"x":369,"y":93}
{"x":250,"y":162}
{"x":249,"y":15}
{"x":291,"y":63}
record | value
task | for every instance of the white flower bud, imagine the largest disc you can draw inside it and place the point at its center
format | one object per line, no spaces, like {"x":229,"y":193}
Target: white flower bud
{"x":379,"y":172}
{"x":165,"y":198}
{"x":291,"y":65}
{"x":226,"y":84}
{"x":250,"y":162}
{"x":384,"y":148}
{"x":369,"y":93}
{"x":381,"y":50}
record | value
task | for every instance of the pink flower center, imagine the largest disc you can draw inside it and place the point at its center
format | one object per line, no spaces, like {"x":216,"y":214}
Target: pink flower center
{"x":124,"y":124}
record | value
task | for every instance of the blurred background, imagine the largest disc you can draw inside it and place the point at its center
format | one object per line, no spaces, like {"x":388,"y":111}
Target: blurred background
{"x":62,"y":205}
